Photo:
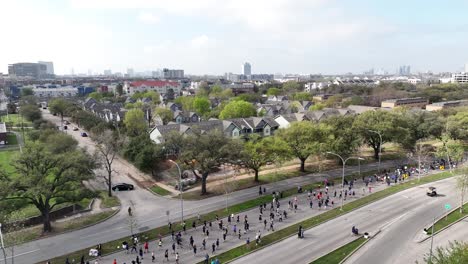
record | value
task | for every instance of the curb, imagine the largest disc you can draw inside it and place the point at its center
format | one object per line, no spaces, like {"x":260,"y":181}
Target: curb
{"x":359,"y":247}
{"x":156,"y":194}
{"x":444,"y":228}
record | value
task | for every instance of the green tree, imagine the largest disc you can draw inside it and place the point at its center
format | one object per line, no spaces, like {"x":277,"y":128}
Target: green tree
{"x":119,"y":89}
{"x":346,"y":141}
{"x":456,"y":252}
{"x":186,"y":102}
{"x":95,"y":95}
{"x":27,"y":92}
{"x":317,"y":106}
{"x":205,"y":152}
{"x":201,"y":105}
{"x":135,"y":122}
{"x":258,"y":152}
{"x":46,"y":179}
{"x":390,"y":126}
{"x":292,"y":86}
{"x":235,"y":109}
{"x":216,"y":90}
{"x":59,"y":106}
{"x":334,"y":100}
{"x":155,"y":97}
{"x":302,"y":96}
{"x":451,"y":150}
{"x":273,"y":91}
{"x":305,"y":139}
{"x":31,"y":112}
{"x":165,"y":114}
{"x":457,"y":125}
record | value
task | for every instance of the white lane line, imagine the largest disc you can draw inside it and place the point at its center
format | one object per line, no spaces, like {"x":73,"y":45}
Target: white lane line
{"x":24,"y":253}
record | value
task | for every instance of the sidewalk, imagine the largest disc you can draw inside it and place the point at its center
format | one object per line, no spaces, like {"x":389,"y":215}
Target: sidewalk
{"x":187,"y":255}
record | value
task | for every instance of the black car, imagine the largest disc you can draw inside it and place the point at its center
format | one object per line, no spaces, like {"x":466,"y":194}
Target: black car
{"x":122,"y":187}
{"x":83,"y":134}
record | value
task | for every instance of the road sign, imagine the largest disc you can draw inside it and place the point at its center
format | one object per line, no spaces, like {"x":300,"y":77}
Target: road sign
{"x":448,"y":206}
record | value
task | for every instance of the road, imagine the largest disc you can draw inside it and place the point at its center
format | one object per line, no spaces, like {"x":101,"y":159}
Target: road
{"x":150,"y":209}
{"x":402,"y":236}
{"x":411,"y":207}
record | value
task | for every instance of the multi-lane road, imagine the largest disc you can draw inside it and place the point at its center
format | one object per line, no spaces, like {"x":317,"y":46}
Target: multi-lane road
{"x":149,"y":209}
{"x":400,"y":217}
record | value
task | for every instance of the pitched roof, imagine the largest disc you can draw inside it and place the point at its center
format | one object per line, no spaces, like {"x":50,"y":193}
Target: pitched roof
{"x":153,"y":83}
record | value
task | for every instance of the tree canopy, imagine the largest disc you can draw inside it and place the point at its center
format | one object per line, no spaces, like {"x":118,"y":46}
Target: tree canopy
{"x":135,"y":122}
{"x":235,"y":109}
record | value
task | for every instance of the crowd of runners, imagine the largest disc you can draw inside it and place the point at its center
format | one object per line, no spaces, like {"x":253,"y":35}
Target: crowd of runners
{"x":204,"y":238}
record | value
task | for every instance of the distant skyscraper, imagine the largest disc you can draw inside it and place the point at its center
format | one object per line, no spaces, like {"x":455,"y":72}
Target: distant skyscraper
{"x":26,"y":69}
{"x":247,"y":69}
{"x":404,"y":70}
{"x":49,"y":66}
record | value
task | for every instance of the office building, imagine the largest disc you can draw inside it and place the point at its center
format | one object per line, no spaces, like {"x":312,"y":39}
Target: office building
{"x":172,"y":74}
{"x":49,"y":67}
{"x":130,"y":72}
{"x":246,"y":69}
{"x":162,"y":87}
{"x":416,"y":102}
{"x":404,"y":70}
{"x":460,"y":77}
{"x":31,"y":70}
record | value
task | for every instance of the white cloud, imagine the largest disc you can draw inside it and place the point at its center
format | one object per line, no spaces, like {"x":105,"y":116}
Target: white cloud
{"x":200,"y":41}
{"x":148,"y":18}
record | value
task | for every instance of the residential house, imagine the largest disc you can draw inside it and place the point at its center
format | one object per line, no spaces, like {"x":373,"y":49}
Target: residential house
{"x":186,"y":117}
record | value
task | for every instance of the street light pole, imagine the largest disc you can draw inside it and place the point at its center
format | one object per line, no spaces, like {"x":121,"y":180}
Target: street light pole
{"x":380,"y":145}
{"x":180,"y":189}
{"x":3,"y":245}
{"x":343,"y":174}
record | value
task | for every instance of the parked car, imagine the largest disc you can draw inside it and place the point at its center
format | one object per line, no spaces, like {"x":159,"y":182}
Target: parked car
{"x":431,"y":191}
{"x":83,"y":134}
{"x":75,"y":129}
{"x":122,"y":187}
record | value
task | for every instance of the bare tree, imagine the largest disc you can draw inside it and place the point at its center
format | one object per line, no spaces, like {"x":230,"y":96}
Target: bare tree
{"x":462,"y":186}
{"x":106,"y":150}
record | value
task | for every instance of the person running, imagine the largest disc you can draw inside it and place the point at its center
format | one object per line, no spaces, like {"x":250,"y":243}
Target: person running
{"x":153,"y":257}
{"x":213,"y":247}
{"x":217,"y":243}
{"x":194,"y":249}
{"x":166,"y":255}
{"x":207,"y":258}
{"x":177,"y":257}
{"x":146,"y":246}
{"x":129,"y":211}
{"x":264,"y":224}
{"x":141,"y":253}
{"x":204,"y":244}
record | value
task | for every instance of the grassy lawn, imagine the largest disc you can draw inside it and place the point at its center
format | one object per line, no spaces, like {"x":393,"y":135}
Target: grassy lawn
{"x":28,"y":234}
{"x":161,"y":191}
{"x":336,"y":256}
{"x":6,"y":158}
{"x":451,"y":218}
{"x":328,"y":215}
{"x":15,"y":120}
{"x":108,"y":202}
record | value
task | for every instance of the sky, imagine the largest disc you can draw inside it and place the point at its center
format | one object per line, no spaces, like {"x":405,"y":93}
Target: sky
{"x":217,"y":36}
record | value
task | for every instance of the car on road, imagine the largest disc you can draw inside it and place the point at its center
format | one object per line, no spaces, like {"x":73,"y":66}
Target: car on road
{"x":431,"y":191}
{"x":122,"y":187}
{"x":75,"y":129}
{"x":83,"y":134}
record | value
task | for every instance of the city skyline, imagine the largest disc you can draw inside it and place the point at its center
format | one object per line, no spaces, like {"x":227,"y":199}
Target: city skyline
{"x":210,"y":37}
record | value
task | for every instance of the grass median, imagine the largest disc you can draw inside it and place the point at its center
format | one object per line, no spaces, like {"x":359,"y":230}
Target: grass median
{"x":338,"y":255}
{"x":326,"y":216}
{"x":449,"y":219}
{"x":159,"y":190}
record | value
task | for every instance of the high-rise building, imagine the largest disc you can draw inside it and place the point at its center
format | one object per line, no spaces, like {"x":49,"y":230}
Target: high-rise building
{"x":172,"y":74}
{"x":32,"y":70}
{"x":404,"y":70}
{"x":246,"y":69}
{"x":130,"y":72}
{"x":49,"y":66}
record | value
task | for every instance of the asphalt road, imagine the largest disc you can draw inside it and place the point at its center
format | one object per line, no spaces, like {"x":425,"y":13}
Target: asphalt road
{"x":397,"y":243}
{"x":410,"y":208}
{"x":150,"y":209}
